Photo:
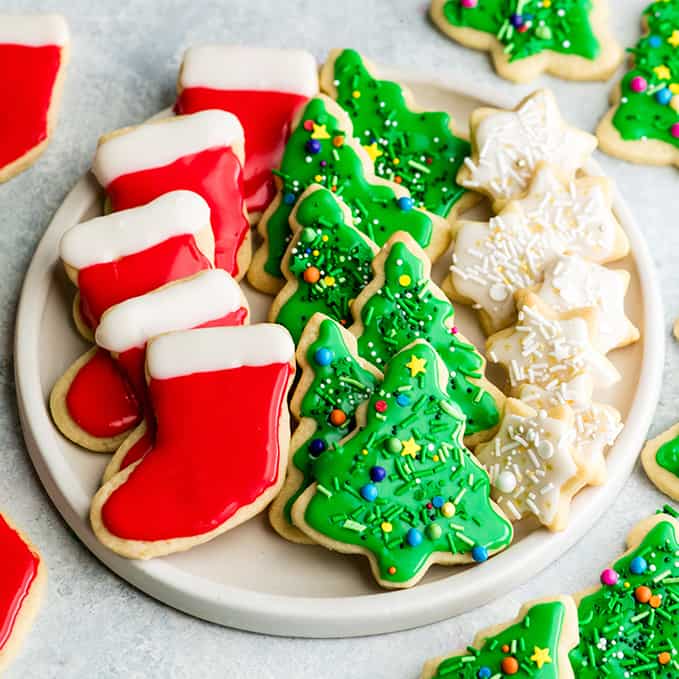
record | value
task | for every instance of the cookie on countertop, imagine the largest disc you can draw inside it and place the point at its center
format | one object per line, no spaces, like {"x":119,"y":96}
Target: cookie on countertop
{"x":660,"y":459}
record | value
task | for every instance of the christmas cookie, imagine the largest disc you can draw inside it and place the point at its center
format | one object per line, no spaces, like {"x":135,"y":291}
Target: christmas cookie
{"x":24,"y":575}
{"x":572,"y":282}
{"x":533,"y":645}
{"x":531,"y":463}
{"x":508,"y":145}
{"x":402,"y":489}
{"x":202,"y":152}
{"x":219,"y":398}
{"x":628,"y":624}
{"x":34,"y":51}
{"x":643,"y":124}
{"x":660,"y":458}
{"x":335,"y":381}
{"x":263,"y":88}
{"x":322,"y":150}
{"x":492,"y":260}
{"x":402,"y":304}
{"x":326,"y":265}
{"x":566,"y":38}
{"x":410,"y":146}
{"x":554,"y":351}
{"x":210,"y":299}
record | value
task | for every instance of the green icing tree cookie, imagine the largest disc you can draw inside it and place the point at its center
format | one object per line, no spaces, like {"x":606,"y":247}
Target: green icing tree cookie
{"x":649,"y":93}
{"x":416,"y":149}
{"x":529,"y":27}
{"x":533,"y":646}
{"x":403,"y":489}
{"x":401,"y":305}
{"x":326,"y":266}
{"x":335,"y":381}
{"x":322,"y":150}
{"x":629,"y":627}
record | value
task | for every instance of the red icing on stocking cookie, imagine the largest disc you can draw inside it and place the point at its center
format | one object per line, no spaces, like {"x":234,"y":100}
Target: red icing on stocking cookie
{"x":33,"y":54}
{"x":201,"y":153}
{"x":264,"y":88}
{"x":219,"y":397}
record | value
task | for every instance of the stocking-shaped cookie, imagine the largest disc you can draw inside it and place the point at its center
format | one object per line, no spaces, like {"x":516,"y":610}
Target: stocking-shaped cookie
{"x":112,"y":259}
{"x":33,"y":57}
{"x":264,"y":88}
{"x":219,"y":397}
{"x":210,"y":299}
{"x":22,"y":579}
{"x":202,"y":153}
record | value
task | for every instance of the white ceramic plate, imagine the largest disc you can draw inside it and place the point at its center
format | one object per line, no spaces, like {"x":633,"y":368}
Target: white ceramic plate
{"x":252,"y":579}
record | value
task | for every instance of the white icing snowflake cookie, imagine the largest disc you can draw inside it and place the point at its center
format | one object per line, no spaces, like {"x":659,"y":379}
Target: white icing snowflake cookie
{"x":531,"y":465}
{"x":508,"y":145}
{"x":572,"y":282}
{"x":555,"y":351}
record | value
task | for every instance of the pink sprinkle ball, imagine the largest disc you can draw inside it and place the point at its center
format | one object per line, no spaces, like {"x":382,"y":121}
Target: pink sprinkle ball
{"x":674,"y":130}
{"x":609,"y":577}
{"x":638,"y":84}
{"x":469,"y":4}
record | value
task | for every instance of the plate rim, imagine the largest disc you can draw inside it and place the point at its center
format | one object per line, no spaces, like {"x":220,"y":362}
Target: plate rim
{"x":324,"y":617}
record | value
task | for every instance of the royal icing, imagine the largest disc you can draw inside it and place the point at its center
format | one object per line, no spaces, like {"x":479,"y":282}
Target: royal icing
{"x":494,"y":259}
{"x":529,"y":647}
{"x":264,"y":88}
{"x":552,"y":351}
{"x":529,"y":27}
{"x":667,"y":456}
{"x":217,"y":395}
{"x":403,"y":487}
{"x":327,"y":264}
{"x":508,"y":145}
{"x":629,"y":625}
{"x":20,"y":566}
{"x":32,"y":54}
{"x":649,"y":103}
{"x":322,"y":150}
{"x":407,"y":306}
{"x":416,"y":149}
{"x":574,"y":283}
{"x":201,"y":153}
{"x":530,"y":461}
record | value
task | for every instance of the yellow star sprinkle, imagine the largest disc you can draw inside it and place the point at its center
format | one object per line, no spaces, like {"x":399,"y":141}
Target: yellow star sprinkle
{"x":416,"y":365}
{"x":410,"y":448}
{"x":320,"y":132}
{"x":540,"y":656}
{"x":663,"y":72}
{"x":674,"y":39}
{"x":674,"y":88}
{"x":373,"y":151}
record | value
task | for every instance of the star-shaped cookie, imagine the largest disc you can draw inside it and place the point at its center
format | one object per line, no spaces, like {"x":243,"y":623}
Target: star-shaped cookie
{"x":531,"y":464}
{"x":508,"y":145}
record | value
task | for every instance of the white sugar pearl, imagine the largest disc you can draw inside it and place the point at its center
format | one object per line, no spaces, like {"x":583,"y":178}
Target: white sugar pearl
{"x":505,"y":482}
{"x":545,"y":449}
{"x":498,"y":292}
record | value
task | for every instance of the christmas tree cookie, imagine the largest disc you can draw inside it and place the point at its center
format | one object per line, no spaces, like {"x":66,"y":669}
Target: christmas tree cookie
{"x":643,"y":124}
{"x":322,"y":150}
{"x":402,"y":489}
{"x":402,"y":304}
{"x":660,"y":458}
{"x":534,"y":645}
{"x":628,"y":624}
{"x":326,"y":264}
{"x":412,"y":147}
{"x":335,"y":382}
{"x":567,"y":38}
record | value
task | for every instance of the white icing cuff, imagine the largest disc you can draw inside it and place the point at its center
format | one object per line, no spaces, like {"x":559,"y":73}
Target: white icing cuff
{"x":215,"y":349}
{"x":182,"y":305}
{"x":36,"y":30}
{"x":226,"y":67}
{"x":160,"y":143}
{"x":108,"y":238}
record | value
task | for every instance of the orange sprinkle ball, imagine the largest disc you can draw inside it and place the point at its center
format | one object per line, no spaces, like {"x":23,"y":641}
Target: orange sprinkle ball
{"x":312,"y":275}
{"x":338,"y":141}
{"x":664,"y":658}
{"x":655,"y":601}
{"x":642,"y":594}
{"x":510,"y":665}
{"x":338,"y":417}
{"x":505,"y":648}
{"x":391,"y":570}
